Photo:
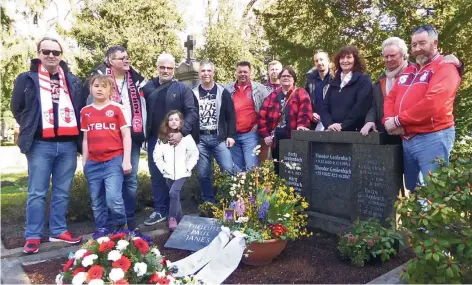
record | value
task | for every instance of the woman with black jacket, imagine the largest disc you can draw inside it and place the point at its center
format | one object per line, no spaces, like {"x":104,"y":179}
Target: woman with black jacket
{"x":349,"y":95}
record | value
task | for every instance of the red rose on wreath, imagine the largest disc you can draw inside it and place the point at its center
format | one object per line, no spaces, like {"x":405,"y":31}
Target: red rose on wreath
{"x":122,"y":281}
{"x":78,"y":270}
{"x":124,"y":263}
{"x":95,"y":272}
{"x":106,"y":246}
{"x":118,"y":236}
{"x":142,"y":245}
{"x":163,"y":262}
{"x":68,"y":265}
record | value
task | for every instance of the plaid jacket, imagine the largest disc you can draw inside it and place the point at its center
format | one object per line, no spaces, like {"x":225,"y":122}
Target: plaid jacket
{"x":300,"y":112}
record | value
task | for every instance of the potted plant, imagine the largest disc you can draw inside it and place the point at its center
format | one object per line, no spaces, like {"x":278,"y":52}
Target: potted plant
{"x":261,"y":205}
{"x":123,"y":257}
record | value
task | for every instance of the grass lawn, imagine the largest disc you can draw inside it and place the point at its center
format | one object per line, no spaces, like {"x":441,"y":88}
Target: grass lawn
{"x":14,"y":183}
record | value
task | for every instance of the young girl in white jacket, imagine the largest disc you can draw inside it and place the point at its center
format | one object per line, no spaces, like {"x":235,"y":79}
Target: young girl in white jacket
{"x":175,"y":161}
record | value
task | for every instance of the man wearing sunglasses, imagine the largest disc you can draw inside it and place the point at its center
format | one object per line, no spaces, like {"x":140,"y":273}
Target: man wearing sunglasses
{"x":164,"y":94}
{"x":420,"y":105}
{"x":46,"y":103}
{"x":128,"y":84}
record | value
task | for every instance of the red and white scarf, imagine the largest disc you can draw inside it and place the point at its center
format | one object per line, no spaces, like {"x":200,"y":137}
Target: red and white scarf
{"x":67,"y":125}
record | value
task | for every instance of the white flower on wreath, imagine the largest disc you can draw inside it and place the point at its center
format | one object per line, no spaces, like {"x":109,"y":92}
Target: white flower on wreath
{"x":140,"y":268}
{"x":156,"y":252}
{"x":96,"y":282}
{"x":79,"y":253}
{"x":168,"y":263}
{"x":116,"y":274}
{"x":103,"y":239}
{"x":79,"y":278}
{"x":241,"y":220}
{"x":287,"y":215}
{"x":232,"y":193}
{"x":114,"y":255}
{"x":88,"y":260}
{"x":122,"y":244}
{"x":59,"y":278}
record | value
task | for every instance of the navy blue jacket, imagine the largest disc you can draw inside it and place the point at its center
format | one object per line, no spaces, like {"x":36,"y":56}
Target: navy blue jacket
{"x":178,"y":97}
{"x":26,"y":106}
{"x":349,"y":106}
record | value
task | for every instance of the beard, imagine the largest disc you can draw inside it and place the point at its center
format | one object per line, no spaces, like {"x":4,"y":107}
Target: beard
{"x":422,"y":59}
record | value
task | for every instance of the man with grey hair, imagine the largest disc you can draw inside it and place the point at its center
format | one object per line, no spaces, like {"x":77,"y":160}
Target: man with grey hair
{"x":163,"y":94}
{"x":128,"y":84}
{"x":420,"y":107}
{"x":395,"y":54}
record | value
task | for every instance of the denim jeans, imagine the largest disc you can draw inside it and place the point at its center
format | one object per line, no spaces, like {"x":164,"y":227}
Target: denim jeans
{"x":160,"y":190}
{"x":130,"y":183}
{"x":210,"y":147}
{"x":420,"y":153}
{"x":175,"y":208}
{"x":242,"y":151}
{"x":58,"y":159}
{"x":105,"y":181}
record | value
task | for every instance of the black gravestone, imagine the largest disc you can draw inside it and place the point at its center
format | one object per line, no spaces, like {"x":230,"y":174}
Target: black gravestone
{"x":193,"y":233}
{"x":295,"y":162}
{"x":331,"y":179}
{"x":379,"y":172}
{"x":345,"y":175}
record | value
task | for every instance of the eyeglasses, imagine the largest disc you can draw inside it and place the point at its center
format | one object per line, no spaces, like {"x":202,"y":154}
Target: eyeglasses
{"x":427,"y":28}
{"x":49,"y":51}
{"x":123,"y":58}
{"x":166,"y":68}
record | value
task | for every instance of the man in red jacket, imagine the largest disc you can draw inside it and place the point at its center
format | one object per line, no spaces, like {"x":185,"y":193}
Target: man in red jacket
{"x":420,"y":107}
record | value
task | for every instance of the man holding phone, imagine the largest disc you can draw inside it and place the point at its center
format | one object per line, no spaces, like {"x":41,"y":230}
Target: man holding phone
{"x":217,"y":128}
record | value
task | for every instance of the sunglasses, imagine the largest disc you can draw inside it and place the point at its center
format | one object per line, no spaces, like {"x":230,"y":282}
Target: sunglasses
{"x":427,"y":28}
{"x":49,"y":51}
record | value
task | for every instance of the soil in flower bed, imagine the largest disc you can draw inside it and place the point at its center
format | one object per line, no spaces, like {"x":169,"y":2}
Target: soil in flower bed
{"x":309,"y":260}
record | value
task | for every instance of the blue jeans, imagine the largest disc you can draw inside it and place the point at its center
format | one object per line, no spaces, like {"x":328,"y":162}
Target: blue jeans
{"x":105,"y":181}
{"x":208,"y":147}
{"x":420,"y":153}
{"x":58,"y":159}
{"x":242,"y":151}
{"x":130,"y":183}
{"x":160,"y":190}
{"x":175,"y":207}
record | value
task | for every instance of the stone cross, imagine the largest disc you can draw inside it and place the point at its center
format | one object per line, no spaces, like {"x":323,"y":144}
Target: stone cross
{"x":189,"y":44}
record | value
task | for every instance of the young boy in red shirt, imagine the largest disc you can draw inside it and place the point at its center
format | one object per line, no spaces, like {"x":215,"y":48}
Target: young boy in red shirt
{"x":106,"y":154}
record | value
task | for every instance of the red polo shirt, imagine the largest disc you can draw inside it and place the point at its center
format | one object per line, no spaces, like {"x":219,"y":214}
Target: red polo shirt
{"x":246,"y":116}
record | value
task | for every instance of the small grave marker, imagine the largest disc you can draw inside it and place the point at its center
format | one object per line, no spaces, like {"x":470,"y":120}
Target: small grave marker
{"x":193,"y":233}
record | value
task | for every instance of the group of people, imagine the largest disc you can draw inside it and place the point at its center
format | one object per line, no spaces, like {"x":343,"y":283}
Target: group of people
{"x":116,"y":111}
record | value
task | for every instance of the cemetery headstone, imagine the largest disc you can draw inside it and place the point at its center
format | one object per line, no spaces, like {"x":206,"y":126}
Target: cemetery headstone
{"x":193,"y":233}
{"x":344,"y":175}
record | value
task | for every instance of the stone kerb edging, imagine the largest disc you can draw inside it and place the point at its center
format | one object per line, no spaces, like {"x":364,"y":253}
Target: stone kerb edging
{"x":391,"y":277}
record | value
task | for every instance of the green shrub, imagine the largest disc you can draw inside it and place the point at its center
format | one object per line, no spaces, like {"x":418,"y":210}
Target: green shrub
{"x":13,"y":207}
{"x":144,"y":196}
{"x":80,"y":208}
{"x":440,"y":225}
{"x":369,"y":239}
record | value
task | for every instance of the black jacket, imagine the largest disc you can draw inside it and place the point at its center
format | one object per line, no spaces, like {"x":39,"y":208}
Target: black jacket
{"x":227,"y":114}
{"x":139,"y":83}
{"x":376,"y":112}
{"x":349,"y":105}
{"x":26,"y":107}
{"x":178,"y":97}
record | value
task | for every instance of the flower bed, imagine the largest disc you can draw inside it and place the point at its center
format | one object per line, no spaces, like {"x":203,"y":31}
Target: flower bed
{"x":308,"y":260}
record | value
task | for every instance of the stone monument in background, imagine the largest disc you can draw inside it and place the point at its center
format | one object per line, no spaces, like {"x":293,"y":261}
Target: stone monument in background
{"x":187,"y":71}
